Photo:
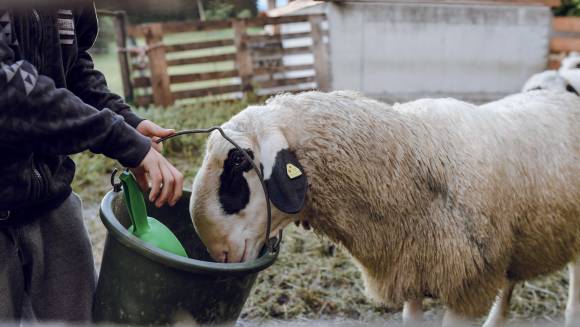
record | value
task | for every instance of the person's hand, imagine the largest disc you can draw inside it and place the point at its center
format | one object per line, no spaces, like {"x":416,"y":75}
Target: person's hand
{"x":154,"y":131}
{"x":166,"y":180}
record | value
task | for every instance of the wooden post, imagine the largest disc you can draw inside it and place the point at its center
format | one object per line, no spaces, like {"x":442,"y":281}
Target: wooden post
{"x":160,"y":82}
{"x":276,"y":27}
{"x":320,"y":52}
{"x":243,"y":56}
{"x":201,"y":10}
{"x":120,"y":24}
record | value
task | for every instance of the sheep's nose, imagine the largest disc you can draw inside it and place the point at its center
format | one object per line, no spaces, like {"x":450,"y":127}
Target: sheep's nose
{"x":225,"y":257}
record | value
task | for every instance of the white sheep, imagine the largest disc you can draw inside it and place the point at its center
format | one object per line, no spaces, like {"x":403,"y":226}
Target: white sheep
{"x":435,"y":197}
{"x":566,"y":78}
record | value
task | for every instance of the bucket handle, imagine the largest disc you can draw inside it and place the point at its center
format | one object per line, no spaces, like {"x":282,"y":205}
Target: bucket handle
{"x":272,"y":246}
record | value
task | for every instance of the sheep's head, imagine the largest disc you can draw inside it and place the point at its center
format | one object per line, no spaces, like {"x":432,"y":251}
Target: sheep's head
{"x":570,"y":72}
{"x":228,"y":206}
{"x":572,"y":61}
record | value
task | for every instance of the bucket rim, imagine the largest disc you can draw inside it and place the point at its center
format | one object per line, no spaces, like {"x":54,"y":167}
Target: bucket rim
{"x":123,"y":236}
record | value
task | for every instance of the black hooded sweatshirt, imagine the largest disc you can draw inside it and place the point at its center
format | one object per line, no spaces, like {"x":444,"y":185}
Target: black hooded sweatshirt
{"x":53,"y":103}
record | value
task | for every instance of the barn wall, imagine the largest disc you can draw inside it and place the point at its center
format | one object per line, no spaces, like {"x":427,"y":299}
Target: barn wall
{"x":401,"y":51}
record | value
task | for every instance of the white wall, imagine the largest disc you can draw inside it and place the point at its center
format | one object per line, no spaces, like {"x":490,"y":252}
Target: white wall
{"x":401,"y":51}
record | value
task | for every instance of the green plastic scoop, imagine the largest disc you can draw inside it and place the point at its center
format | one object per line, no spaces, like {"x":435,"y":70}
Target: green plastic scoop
{"x":148,"y":229}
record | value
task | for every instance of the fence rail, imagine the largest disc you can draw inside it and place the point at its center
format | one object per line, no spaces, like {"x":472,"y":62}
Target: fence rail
{"x":233,"y":58}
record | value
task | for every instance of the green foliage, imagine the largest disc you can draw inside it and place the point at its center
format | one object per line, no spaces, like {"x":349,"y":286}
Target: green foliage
{"x":148,"y":11}
{"x":220,"y":10}
{"x":568,"y":8}
{"x":246,"y":13}
{"x":223,"y":9}
{"x":157,"y":11}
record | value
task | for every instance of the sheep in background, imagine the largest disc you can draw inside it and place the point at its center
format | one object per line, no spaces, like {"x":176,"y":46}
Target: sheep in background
{"x":548,"y":80}
{"x":435,"y":198}
{"x":567,"y":78}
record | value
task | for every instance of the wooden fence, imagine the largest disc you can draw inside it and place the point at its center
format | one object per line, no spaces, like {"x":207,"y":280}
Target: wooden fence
{"x":228,"y":59}
{"x":565,"y":39}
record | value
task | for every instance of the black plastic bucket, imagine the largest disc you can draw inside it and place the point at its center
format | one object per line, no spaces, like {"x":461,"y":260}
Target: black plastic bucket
{"x":142,"y":285}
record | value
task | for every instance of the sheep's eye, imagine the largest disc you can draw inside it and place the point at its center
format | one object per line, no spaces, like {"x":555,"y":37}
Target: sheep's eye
{"x":238,"y":159}
{"x":578,"y":65}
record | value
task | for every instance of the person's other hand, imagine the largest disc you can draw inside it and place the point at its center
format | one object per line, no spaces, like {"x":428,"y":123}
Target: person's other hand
{"x":166,"y":180}
{"x":154,"y":131}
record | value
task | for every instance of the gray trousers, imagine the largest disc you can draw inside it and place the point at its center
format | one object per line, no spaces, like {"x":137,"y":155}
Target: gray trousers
{"x":47,"y":271}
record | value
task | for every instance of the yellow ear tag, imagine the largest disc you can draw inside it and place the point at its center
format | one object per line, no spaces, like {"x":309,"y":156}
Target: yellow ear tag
{"x":293,"y":171}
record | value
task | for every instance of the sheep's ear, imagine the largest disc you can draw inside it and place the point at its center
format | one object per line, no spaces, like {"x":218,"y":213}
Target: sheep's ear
{"x":284,"y":175}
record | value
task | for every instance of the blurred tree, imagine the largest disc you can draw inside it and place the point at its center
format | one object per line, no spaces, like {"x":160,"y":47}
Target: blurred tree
{"x":568,"y":8}
{"x":224,"y":9}
{"x":218,"y":10}
{"x":142,"y":11}
{"x":250,"y":5}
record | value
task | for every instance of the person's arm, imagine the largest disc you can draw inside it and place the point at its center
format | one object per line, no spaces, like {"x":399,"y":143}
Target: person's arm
{"x":84,"y":80}
{"x":35,"y":116}
{"x":90,"y":84}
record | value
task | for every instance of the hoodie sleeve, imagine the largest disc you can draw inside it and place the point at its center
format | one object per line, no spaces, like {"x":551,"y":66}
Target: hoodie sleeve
{"x":35,"y":116}
{"x":84,"y":80}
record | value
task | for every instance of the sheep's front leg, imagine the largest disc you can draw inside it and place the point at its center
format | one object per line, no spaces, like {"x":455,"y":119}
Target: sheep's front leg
{"x":573,"y":306}
{"x":413,"y":312}
{"x":498,"y":313}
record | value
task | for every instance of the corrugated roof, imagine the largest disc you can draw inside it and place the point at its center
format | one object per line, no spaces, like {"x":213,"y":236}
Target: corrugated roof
{"x":551,"y":3}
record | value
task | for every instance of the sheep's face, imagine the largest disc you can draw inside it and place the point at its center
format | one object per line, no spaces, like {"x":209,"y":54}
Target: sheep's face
{"x":570,"y":72}
{"x":228,"y":205}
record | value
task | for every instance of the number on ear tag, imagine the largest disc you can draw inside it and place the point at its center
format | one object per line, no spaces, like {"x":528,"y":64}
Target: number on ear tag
{"x":293,"y":171}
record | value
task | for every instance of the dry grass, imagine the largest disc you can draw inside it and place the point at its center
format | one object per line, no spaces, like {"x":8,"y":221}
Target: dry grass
{"x":313,"y":280}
